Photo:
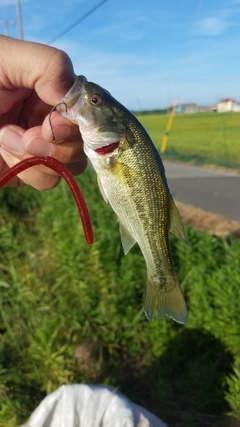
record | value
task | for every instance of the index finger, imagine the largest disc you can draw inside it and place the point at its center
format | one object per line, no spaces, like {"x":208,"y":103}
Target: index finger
{"x":46,"y":69}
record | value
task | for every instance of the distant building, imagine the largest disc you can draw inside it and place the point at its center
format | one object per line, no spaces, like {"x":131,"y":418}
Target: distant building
{"x":179,"y":109}
{"x":213,"y":108}
{"x":236,"y":108}
{"x":226,"y":105}
{"x":223,"y":106}
{"x":190,"y":108}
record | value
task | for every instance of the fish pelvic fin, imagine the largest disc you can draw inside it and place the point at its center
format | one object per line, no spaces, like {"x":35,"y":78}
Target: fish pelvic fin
{"x":166,"y":301}
{"x":126,"y":238}
{"x":176,"y":226}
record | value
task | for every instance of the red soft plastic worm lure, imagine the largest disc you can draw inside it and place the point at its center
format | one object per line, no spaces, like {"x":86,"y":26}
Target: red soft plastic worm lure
{"x":58,"y":167}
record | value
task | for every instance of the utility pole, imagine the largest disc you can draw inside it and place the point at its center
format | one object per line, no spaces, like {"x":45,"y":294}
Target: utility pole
{"x":19,"y":20}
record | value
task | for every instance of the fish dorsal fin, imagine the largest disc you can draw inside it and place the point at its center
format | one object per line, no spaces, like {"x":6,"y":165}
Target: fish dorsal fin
{"x":127,"y":240}
{"x":176,"y":226}
{"x":102,"y":190}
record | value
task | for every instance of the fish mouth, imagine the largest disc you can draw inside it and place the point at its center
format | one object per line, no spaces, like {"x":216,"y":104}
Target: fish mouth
{"x":74,"y":97}
{"x":107,"y":149}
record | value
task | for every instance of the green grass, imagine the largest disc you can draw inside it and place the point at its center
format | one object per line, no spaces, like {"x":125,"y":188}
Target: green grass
{"x":59,"y":295}
{"x":206,"y":138}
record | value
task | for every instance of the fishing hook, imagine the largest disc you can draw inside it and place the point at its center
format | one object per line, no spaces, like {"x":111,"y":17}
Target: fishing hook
{"x":50,"y":114}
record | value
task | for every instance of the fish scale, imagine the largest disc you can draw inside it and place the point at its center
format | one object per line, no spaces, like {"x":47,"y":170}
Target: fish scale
{"x":132,"y":180}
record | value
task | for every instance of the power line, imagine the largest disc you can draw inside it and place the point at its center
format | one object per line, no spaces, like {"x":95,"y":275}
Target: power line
{"x":78,"y":21}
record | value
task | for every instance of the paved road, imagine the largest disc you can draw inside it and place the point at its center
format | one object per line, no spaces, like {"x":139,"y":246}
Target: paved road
{"x":212,"y":190}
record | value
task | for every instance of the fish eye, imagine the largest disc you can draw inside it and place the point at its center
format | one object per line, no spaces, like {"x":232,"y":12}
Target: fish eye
{"x":96,"y":99}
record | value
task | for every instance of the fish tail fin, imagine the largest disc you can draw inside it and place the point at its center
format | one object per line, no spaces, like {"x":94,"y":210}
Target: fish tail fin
{"x":167,"y":301}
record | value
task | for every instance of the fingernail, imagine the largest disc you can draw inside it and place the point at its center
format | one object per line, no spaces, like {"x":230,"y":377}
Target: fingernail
{"x":11,"y":140}
{"x":37,"y":146}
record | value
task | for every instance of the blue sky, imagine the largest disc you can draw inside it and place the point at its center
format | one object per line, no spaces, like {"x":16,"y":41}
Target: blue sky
{"x":145,"y":52}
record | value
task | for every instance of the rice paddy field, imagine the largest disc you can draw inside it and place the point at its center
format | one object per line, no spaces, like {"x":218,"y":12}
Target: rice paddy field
{"x":204,"y":138}
{"x":73,"y":313}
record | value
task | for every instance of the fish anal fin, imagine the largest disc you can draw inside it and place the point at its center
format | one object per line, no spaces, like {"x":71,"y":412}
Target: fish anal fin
{"x":127,"y":240}
{"x":176,"y":226}
{"x":166,"y":302}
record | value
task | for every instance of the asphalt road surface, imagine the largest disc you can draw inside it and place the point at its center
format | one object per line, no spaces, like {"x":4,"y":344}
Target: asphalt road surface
{"x":214,"y":191}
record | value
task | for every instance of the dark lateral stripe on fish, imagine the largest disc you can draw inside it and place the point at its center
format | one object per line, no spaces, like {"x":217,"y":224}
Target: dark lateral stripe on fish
{"x":107,"y":148}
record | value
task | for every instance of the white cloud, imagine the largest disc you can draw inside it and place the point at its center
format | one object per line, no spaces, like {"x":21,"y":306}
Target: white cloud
{"x":213,"y":26}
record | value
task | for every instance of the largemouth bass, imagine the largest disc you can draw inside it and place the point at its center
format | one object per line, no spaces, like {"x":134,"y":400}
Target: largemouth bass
{"x":131,"y":178}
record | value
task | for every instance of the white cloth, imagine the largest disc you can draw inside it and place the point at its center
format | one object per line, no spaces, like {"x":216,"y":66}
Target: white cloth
{"x":79,"y":405}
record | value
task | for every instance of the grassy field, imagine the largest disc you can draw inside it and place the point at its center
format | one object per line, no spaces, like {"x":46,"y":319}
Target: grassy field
{"x":61,"y":298}
{"x":210,"y":138}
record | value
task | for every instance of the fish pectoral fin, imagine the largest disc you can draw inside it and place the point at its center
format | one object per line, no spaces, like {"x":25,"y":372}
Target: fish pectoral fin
{"x":166,"y":301}
{"x":127,"y":240}
{"x":176,"y":226}
{"x":102,"y":190}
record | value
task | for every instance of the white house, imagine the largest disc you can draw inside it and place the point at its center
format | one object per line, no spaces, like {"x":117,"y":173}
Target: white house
{"x":226,"y":105}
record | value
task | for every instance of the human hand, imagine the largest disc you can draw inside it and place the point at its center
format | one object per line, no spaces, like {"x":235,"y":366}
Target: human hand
{"x":33,"y":78}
